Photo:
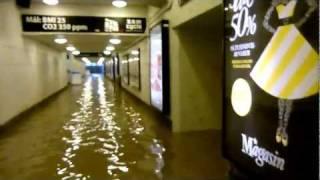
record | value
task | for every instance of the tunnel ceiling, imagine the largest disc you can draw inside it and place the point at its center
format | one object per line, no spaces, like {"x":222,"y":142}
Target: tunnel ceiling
{"x":158,"y":3}
{"x":87,"y":43}
{"x":90,"y":42}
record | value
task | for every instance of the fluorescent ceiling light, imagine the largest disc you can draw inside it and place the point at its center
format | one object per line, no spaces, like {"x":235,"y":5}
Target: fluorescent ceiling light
{"x":60,"y":40}
{"x":115,"y":41}
{"x":70,"y":48}
{"x":107,"y":52}
{"x":135,"y":52}
{"x":86,"y":60}
{"x":76,"y":52}
{"x":110,"y":48}
{"x":101,"y":60}
{"x":51,"y":2}
{"x":119,"y":3}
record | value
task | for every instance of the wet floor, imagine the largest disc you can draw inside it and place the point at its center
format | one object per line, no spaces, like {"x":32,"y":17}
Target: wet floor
{"x":97,"y":131}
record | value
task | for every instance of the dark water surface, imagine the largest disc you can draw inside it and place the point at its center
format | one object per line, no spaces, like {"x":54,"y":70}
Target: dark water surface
{"x":97,"y":131}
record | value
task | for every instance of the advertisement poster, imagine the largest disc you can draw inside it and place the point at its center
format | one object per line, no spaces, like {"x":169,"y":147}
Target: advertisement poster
{"x":110,"y":69}
{"x":116,"y":66}
{"x":125,"y":70}
{"x":156,"y":68}
{"x":271,"y":88}
{"x":134,"y":68}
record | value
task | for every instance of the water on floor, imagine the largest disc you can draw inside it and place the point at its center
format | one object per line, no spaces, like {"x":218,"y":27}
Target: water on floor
{"x":97,"y":131}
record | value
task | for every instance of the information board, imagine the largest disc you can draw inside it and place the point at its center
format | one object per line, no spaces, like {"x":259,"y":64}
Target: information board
{"x":44,"y":23}
{"x":271,"y":88}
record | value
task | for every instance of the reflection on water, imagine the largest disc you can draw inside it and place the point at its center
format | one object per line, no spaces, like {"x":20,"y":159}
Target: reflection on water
{"x":107,"y":133}
{"x":99,"y":132}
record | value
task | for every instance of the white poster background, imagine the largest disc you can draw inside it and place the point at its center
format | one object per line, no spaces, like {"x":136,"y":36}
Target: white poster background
{"x":156,"y":68}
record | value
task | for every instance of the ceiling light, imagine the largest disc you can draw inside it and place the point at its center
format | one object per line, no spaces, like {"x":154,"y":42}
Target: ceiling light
{"x":70,"y":48}
{"x":119,"y":3}
{"x":51,"y":2}
{"x":107,"y":52}
{"x":115,"y":41}
{"x":76,"y":52}
{"x":60,"y":40}
{"x":86,"y":60}
{"x":110,"y":48}
{"x":101,"y":60}
{"x":135,"y":52}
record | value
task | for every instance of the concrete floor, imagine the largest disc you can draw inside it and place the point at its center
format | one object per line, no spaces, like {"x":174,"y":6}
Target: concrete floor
{"x":98,"y":131}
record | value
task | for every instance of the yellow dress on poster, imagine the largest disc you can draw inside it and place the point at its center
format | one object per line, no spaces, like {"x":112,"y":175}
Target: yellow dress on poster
{"x":287,"y":68}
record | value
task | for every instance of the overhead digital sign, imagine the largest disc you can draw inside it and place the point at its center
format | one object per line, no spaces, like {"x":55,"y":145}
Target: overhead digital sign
{"x":272,"y":88}
{"x":159,"y":67}
{"x":76,"y":24}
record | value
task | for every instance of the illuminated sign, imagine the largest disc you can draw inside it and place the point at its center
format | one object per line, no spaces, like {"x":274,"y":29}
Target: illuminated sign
{"x":271,"y":88}
{"x":159,"y":67}
{"x":43,"y":23}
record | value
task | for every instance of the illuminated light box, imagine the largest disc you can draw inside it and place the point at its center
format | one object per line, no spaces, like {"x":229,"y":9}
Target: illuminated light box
{"x":271,"y":100}
{"x":159,"y":67}
{"x":82,"y":24}
{"x":110,"y":69}
{"x":134,"y":69}
{"x":125,"y":70}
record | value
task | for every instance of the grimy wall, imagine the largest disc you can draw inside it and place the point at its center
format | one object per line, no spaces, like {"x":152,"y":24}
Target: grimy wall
{"x":201,"y":72}
{"x":195,"y":61}
{"x":30,"y":71}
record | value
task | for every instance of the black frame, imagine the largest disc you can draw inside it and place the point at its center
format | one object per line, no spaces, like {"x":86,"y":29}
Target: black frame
{"x":164,"y":24}
{"x":237,"y":170}
{"x":139,"y":69}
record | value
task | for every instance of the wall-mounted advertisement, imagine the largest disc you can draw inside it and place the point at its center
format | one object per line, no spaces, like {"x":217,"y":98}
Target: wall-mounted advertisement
{"x":134,"y":68}
{"x":125,"y":69}
{"x":159,"y":67}
{"x":271,"y":88}
{"x":116,"y":65}
{"x":110,"y":69}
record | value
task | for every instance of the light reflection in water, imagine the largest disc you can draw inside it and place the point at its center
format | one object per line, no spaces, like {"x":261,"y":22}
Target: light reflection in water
{"x":107,"y":130}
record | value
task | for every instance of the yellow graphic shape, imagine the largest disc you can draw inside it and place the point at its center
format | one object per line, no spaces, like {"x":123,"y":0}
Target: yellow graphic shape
{"x":287,"y":68}
{"x":286,"y":11}
{"x":241,"y":97}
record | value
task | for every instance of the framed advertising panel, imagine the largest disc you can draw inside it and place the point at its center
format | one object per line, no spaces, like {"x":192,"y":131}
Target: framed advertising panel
{"x":125,"y":70}
{"x":271,"y":88}
{"x":110,"y":69}
{"x":134,"y":68}
{"x":159,"y":67}
{"x":116,"y":65}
